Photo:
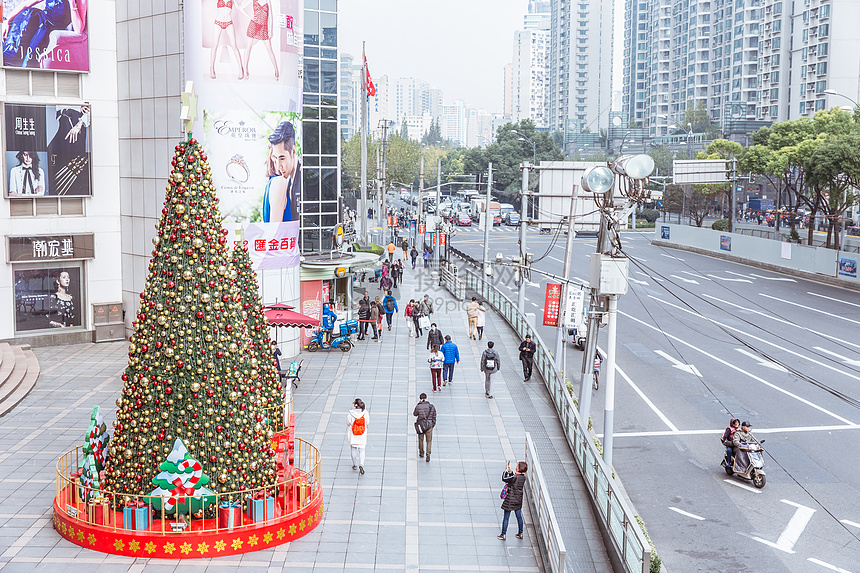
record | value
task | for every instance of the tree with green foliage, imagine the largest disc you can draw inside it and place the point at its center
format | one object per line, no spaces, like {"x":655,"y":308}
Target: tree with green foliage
{"x":720,"y":149}
{"x":834,"y":171}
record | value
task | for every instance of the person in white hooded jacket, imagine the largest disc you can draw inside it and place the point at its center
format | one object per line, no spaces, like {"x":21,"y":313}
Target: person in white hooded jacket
{"x":356,"y":433}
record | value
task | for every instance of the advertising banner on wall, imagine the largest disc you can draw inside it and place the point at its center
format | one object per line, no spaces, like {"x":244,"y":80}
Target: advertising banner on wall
{"x":552,"y":304}
{"x":312,"y":301}
{"x":48,"y":150}
{"x":48,"y":35}
{"x":273,"y":245}
{"x":244,"y":60}
{"x":48,"y":298}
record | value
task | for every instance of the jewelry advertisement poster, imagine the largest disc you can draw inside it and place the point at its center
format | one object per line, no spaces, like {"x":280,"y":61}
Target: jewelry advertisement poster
{"x":48,"y":151}
{"x":244,"y":59}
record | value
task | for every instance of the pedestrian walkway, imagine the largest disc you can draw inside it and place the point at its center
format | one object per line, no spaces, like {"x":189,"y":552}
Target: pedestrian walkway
{"x":404,"y":514}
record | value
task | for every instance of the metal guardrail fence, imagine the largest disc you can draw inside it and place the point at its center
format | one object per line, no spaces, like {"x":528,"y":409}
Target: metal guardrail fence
{"x":449,"y":277}
{"x":617,"y":517}
{"x":551,"y":542}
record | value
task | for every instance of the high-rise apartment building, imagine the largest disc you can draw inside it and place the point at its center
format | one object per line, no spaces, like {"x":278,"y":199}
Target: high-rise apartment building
{"x":527,"y":85}
{"x":454,"y":122}
{"x":580,"y":66}
{"x":350,"y":95}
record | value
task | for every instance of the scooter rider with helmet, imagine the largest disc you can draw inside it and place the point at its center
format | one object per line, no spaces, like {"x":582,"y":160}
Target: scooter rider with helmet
{"x":741,"y":436}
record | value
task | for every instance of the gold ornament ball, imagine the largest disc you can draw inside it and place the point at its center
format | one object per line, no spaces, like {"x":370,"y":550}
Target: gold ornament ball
{"x":187,"y":275}
{"x":234,"y":347}
{"x":223,"y":478}
{"x":205,"y":298}
{"x":127,"y":454}
{"x":156,"y":240}
{"x":180,"y":208}
{"x":195,"y":387}
{"x":222,"y":270}
{"x":234,"y":396}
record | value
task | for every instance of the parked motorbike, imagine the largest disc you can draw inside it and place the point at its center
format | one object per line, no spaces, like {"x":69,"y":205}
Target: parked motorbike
{"x":340,"y":340}
{"x":753,"y":471}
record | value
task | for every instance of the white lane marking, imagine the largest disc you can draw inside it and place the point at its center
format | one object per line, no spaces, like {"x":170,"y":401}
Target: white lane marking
{"x":741,"y":370}
{"x":776,"y":318}
{"x":637,"y":281}
{"x":742,"y":486}
{"x":827,"y":565}
{"x":809,"y":308}
{"x":642,"y":395}
{"x":731,"y":280}
{"x":671,"y":257}
{"x":761,"y":361}
{"x":846,"y":360}
{"x":688,"y":514}
{"x":772,"y":278}
{"x":531,"y":284}
{"x":697,"y":275}
{"x":789,"y":536}
{"x":680,"y":365}
{"x":851,"y":523}
{"x":641,"y":259}
{"x":787,"y":430}
{"x":736,"y":274}
{"x":833,"y":299}
{"x":555,"y":259}
{"x":690,"y":281}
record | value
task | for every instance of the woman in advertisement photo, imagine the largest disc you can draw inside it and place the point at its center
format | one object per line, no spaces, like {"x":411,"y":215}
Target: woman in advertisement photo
{"x":259,"y":30}
{"x":61,"y":305}
{"x":27,"y":178}
{"x":27,"y":29}
{"x":223,"y":28}
{"x":284,"y":188}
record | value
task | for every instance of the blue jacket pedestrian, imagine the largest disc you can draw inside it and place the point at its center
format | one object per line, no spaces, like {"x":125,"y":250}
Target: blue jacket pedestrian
{"x":452,"y":356}
{"x":389,"y":303}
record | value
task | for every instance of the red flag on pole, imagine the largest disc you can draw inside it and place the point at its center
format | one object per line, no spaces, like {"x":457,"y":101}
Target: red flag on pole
{"x":371,"y":89}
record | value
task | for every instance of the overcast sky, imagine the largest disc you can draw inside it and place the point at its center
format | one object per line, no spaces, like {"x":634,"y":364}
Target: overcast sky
{"x":460,"y":46}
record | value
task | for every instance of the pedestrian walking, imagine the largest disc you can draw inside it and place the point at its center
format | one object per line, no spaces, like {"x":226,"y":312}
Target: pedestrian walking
{"x":356,"y":433}
{"x":374,"y":319}
{"x":427,"y":258}
{"x":391,"y":248}
{"x":414,"y":254}
{"x":380,"y":313}
{"x":404,"y":245}
{"x":416,"y":319}
{"x":407,"y":313}
{"x":527,"y":356}
{"x":490,"y":364}
{"x":425,"y":412}
{"x":364,"y":319}
{"x":472,"y":310}
{"x":390,"y":305}
{"x":436,"y":360}
{"x":482,"y":317}
{"x":515,"y":481}
{"x":397,"y":272}
{"x":426,"y":305}
{"x":452,"y":357}
{"x":434,"y":337}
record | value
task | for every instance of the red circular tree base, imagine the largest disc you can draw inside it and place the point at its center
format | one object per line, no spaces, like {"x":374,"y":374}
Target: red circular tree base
{"x":192,"y":543}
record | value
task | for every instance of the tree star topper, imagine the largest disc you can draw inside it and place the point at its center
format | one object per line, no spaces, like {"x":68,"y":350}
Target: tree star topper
{"x":189,"y":107}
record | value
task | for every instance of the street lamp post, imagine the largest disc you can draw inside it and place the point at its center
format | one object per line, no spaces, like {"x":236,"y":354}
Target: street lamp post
{"x":527,"y":140}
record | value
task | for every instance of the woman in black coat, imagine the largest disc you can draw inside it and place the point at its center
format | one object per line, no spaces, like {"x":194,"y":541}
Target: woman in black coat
{"x":514,"y":499}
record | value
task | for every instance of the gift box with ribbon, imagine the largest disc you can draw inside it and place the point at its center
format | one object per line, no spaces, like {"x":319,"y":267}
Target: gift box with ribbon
{"x":99,"y":511}
{"x":261,"y":506}
{"x":229,"y":514}
{"x":136,"y":515}
{"x":75,"y":485}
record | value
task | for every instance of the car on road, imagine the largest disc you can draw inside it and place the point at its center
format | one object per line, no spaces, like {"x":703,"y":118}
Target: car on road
{"x":512,"y":218}
{"x":463,"y":219}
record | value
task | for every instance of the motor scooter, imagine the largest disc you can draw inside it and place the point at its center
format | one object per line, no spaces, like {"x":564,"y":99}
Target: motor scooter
{"x":754,"y":471}
{"x":340,"y":340}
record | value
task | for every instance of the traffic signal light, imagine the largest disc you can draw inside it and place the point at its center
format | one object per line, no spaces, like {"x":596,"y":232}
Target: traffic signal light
{"x":752,"y":177}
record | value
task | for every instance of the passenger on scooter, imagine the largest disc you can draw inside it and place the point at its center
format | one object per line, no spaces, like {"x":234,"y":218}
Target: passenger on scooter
{"x":744,"y":435}
{"x":328,"y":320}
{"x":728,"y":435}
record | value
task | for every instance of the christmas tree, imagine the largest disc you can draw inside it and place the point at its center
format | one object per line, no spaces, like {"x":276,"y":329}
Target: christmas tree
{"x":259,"y":343}
{"x":189,"y":374}
{"x":181,"y":482}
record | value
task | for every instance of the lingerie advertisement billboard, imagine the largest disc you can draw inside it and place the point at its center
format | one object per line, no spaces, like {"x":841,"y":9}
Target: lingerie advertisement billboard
{"x":244,"y":59}
{"x":48,"y":151}
{"x":47,"y":35}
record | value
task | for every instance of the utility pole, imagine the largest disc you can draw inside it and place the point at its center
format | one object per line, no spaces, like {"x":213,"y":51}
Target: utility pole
{"x":734,"y":201}
{"x":420,"y":190}
{"x":488,"y":221}
{"x":565,"y":287}
{"x":609,"y":408}
{"x":362,"y":210}
{"x":437,"y":218}
{"x":521,"y":288}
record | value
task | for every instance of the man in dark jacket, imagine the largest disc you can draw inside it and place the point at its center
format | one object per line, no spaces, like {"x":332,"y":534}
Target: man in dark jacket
{"x":363,"y":318}
{"x":425,"y":412}
{"x":527,"y":356}
{"x":434,"y":338}
{"x":414,"y":254}
{"x":490,"y":363}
